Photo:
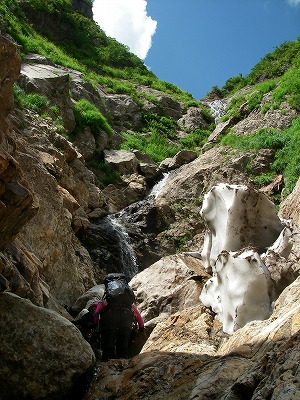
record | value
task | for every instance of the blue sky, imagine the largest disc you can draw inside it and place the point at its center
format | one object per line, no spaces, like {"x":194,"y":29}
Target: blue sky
{"x":196,"y":44}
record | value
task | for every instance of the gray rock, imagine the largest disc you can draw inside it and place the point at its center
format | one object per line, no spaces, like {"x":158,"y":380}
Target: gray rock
{"x":123,"y":161}
{"x":93,"y":295}
{"x":42,"y":354}
{"x":192,"y":120}
{"x":181,"y":158}
{"x":143,"y":157}
{"x":123,"y":110}
{"x":52,"y":82}
{"x":151,"y":172}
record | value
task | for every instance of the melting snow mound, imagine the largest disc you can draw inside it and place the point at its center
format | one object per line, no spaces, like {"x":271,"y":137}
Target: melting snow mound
{"x":245,"y":249}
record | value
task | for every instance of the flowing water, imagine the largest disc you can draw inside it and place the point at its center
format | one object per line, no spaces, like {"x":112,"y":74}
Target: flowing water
{"x":109,"y":243}
{"x":217,"y":108}
{"x":157,"y":188}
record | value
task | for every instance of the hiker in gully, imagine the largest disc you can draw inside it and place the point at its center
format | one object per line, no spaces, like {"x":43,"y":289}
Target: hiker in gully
{"x":116,"y":315}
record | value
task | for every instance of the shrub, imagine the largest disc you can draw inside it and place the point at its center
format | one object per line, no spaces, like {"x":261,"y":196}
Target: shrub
{"x":33,"y":101}
{"x":154,"y":144}
{"x":163,"y":125}
{"x":104,"y":174}
{"x":284,"y":142}
{"x":196,"y":139}
{"x":87,"y":114}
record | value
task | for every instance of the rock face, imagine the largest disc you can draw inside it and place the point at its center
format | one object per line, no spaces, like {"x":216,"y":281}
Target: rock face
{"x":241,"y":367}
{"x":51,"y":204}
{"x":167,"y":286}
{"x":188,"y":356}
{"x":9,"y":71}
{"x":42,"y":353}
{"x":193,"y":120}
{"x":52,"y":82}
{"x":18,"y":203}
{"x":258,"y":361}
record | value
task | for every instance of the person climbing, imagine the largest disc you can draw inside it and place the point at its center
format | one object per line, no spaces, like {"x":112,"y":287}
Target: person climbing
{"x":116,"y":315}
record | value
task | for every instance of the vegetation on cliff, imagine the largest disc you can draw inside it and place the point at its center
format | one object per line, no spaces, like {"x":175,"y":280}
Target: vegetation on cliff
{"x":82,"y":45}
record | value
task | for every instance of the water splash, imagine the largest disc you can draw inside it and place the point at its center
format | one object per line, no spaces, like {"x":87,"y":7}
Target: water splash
{"x":109,"y":246}
{"x":126,"y":253}
{"x":217,"y":108}
{"x":157,"y":188}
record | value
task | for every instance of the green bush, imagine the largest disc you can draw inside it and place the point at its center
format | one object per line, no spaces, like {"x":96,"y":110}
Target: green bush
{"x":87,"y":114}
{"x":284,"y":142}
{"x":104,"y":174}
{"x":33,"y":101}
{"x":289,"y":86}
{"x":287,"y":159}
{"x":163,"y":125}
{"x":154,"y":144}
{"x":196,"y":139}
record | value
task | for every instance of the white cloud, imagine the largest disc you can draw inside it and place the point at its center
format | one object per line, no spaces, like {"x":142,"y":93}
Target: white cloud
{"x":294,"y":2}
{"x":126,"y":21}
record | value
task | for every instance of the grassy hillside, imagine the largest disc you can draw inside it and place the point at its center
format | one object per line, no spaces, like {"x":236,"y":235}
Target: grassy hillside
{"x":81,"y":44}
{"x":273,"y":84}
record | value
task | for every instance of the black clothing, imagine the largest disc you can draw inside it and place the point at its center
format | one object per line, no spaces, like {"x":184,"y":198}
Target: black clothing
{"x":116,"y":327}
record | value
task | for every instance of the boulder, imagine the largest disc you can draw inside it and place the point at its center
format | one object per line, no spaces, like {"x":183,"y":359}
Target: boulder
{"x":151,"y":172}
{"x":131,"y":189}
{"x":124,"y":161}
{"x":163,"y":104}
{"x":86,"y":143}
{"x":220,"y":129}
{"x":169,"y":285}
{"x":93,"y":295}
{"x":124,"y":111}
{"x":53,"y":83}
{"x":143,"y":157}
{"x":192,"y":120}
{"x":181,"y":158}
{"x":185,"y":331}
{"x":45,"y":355}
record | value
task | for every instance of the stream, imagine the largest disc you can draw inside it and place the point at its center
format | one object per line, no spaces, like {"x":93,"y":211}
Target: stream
{"x":123,"y":242}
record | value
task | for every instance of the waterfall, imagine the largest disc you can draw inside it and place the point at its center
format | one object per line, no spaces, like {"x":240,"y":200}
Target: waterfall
{"x":217,"y":108}
{"x":126,"y":253}
{"x":155,"y":191}
{"x":109,"y":238}
{"x":110,"y":248}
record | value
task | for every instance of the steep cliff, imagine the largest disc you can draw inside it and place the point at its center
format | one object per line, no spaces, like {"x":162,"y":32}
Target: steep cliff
{"x":81,"y":144}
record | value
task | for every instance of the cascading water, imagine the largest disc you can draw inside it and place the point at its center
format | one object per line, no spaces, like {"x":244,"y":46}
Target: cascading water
{"x":217,"y":108}
{"x":155,"y":191}
{"x":110,"y":248}
{"x":109,"y":239}
{"x":127,"y":254}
